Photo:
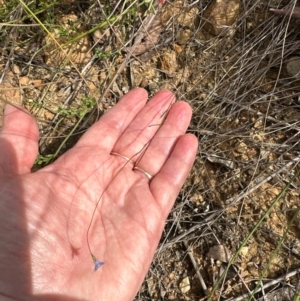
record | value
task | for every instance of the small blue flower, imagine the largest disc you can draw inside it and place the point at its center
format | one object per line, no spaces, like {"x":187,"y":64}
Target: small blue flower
{"x":98,"y":264}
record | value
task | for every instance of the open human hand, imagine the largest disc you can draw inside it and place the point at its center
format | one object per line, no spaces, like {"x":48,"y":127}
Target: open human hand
{"x":45,"y":215}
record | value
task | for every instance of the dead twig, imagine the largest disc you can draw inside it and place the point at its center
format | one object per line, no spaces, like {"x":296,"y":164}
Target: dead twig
{"x":193,"y":261}
{"x":268,"y":284}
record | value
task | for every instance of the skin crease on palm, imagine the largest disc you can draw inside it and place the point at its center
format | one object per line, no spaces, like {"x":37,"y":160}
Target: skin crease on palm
{"x":45,"y":214}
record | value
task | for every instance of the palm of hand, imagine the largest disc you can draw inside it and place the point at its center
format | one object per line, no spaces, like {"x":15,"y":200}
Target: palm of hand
{"x":49,"y":211}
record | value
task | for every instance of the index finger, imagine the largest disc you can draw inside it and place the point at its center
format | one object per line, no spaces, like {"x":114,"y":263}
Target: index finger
{"x":105,"y":132}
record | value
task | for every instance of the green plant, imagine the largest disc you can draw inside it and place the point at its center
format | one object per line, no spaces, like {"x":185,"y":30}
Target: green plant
{"x":44,"y":160}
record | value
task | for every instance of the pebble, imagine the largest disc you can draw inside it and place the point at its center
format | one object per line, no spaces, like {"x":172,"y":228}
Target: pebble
{"x":220,"y":15}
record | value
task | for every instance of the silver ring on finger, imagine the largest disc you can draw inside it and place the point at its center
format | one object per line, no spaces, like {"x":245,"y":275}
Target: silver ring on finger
{"x":121,"y":156}
{"x":147,"y":174}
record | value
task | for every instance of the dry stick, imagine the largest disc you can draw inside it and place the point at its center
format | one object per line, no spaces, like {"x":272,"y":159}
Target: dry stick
{"x":257,"y":225}
{"x":98,"y":263}
{"x":71,"y":96}
{"x":293,"y":126}
{"x":54,"y":40}
{"x":241,"y":278}
{"x":280,"y":68}
{"x":67,"y":56}
{"x":207,"y":221}
{"x":275,"y":252}
{"x":11,"y":52}
{"x":108,"y":86}
{"x":194,"y":263}
{"x":233,"y":200}
{"x":137,"y":41}
{"x":18,"y":25}
{"x":271,"y":283}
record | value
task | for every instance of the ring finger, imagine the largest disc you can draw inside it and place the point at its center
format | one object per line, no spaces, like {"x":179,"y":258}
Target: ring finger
{"x":158,"y":151}
{"x":144,"y":126}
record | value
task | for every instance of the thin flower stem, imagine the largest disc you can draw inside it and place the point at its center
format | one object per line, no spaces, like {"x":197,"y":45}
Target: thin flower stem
{"x":96,"y":206}
{"x":98,"y":263}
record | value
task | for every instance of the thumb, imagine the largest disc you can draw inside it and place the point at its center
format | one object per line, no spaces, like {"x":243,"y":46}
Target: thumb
{"x":18,"y":141}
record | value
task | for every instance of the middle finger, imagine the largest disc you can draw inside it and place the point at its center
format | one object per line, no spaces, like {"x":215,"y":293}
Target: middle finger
{"x":144,"y":126}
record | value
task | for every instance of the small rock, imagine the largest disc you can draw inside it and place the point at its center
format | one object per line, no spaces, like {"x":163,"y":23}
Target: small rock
{"x":37,"y":83}
{"x":253,"y":270}
{"x":258,"y":124}
{"x":24,"y":80}
{"x":197,"y":199}
{"x":183,"y":36}
{"x":184,"y":285}
{"x":171,"y":296}
{"x":255,"y":260}
{"x":220,"y":15}
{"x":77,"y":52}
{"x":169,"y":63}
{"x":177,"y":48}
{"x":292,"y":66}
{"x":101,"y":36}
{"x":244,"y":251}
{"x":219,"y":252}
{"x":92,"y":86}
{"x":188,"y":16}
{"x":172,"y":275}
{"x":9,"y":94}
{"x":16,"y":69}
{"x":241,"y":147}
{"x":180,"y":13}
{"x":165,"y":280}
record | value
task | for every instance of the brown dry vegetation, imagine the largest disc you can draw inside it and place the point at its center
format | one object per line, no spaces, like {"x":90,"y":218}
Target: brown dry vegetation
{"x":243,"y":83}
